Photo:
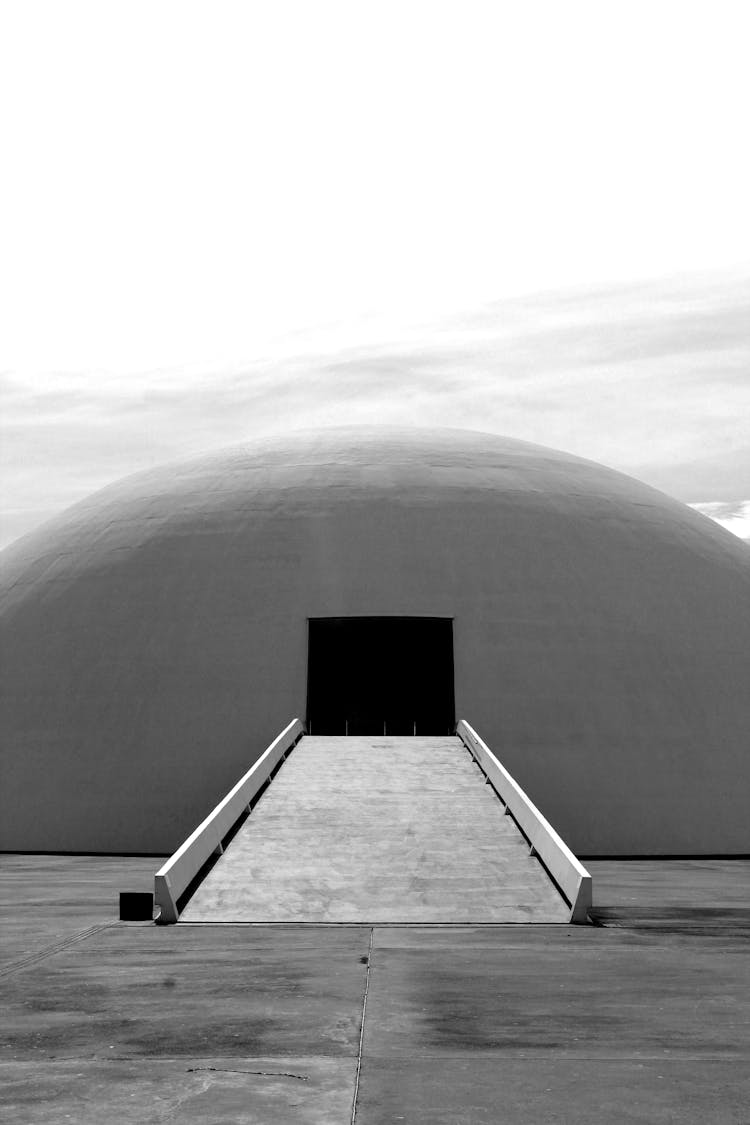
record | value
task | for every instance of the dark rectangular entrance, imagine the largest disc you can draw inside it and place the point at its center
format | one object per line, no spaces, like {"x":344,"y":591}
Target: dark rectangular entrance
{"x":380,"y":675}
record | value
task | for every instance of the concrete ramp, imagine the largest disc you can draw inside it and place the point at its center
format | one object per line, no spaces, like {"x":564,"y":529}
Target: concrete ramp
{"x":378,"y":830}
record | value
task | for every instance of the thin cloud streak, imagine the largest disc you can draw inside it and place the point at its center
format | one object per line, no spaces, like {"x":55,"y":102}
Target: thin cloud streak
{"x":651,"y":379}
{"x":733,"y":517}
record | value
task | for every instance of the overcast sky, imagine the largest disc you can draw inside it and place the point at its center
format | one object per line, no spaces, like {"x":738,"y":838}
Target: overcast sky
{"x":219,"y":219}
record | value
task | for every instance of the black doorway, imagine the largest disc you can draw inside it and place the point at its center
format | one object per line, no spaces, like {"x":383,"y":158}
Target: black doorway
{"x":380,"y":675}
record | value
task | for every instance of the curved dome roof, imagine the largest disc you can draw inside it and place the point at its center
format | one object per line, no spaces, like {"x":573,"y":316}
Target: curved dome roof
{"x":326,"y":470}
{"x":158,"y":632}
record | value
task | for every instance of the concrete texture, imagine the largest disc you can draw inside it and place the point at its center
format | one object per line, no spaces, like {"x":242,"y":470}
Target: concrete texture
{"x":143,"y":1023}
{"x":378,"y":830}
{"x":699,"y":897}
{"x":155,"y":635}
{"x":47,"y":900}
{"x":592,"y":994}
{"x":461,"y":1091}
{"x":139,"y":990}
{"x":207,"y":1091}
{"x":463,"y":1025}
{"x":527,"y":1026}
{"x":626,"y":888}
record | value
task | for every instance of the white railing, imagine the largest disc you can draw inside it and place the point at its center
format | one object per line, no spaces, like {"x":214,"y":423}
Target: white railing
{"x":171,"y":881}
{"x":571,"y":877}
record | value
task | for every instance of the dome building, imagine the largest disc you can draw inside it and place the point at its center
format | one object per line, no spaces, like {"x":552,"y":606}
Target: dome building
{"x":595,"y":632}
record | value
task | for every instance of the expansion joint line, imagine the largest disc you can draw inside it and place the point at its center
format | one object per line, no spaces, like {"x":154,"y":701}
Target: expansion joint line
{"x":362,"y":1027}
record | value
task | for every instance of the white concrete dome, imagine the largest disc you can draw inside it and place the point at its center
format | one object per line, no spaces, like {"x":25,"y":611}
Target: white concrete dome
{"x":155,"y":635}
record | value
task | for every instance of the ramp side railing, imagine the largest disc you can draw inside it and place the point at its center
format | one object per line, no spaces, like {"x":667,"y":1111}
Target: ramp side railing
{"x":172,"y":880}
{"x":570,"y":875}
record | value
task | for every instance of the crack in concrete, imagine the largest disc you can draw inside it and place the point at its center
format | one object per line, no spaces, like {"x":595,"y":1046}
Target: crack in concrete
{"x":264,"y":1073}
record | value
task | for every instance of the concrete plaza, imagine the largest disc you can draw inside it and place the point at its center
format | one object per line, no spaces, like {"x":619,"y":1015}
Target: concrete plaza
{"x":642,"y":1017}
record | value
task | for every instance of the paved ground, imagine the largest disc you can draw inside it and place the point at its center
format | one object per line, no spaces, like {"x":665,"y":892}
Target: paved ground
{"x":47,"y":899}
{"x":373,"y":830}
{"x":645,"y":1018}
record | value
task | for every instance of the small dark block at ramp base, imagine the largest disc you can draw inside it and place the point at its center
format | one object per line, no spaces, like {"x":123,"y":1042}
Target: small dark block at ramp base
{"x":136,"y":906}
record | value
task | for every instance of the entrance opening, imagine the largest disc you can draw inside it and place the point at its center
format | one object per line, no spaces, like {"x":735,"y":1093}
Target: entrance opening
{"x":380,"y":675}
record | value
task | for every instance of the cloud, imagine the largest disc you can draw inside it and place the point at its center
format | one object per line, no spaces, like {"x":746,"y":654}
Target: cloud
{"x":735,"y":517}
{"x":651,"y":379}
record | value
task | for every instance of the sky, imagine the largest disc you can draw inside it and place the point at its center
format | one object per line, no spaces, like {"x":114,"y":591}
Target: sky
{"x":222,"y":219}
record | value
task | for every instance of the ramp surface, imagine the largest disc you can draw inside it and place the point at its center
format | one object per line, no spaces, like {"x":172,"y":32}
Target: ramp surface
{"x":378,"y":830}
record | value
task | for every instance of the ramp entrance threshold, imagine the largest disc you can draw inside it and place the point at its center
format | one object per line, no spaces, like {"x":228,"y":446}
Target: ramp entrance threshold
{"x":378,"y":830}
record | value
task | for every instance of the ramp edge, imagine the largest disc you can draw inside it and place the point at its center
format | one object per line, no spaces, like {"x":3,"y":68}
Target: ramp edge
{"x":172,"y":879}
{"x":571,"y":877}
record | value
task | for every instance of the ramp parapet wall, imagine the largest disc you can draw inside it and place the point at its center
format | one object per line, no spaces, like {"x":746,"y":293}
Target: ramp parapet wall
{"x":570,"y":875}
{"x":172,"y":880}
